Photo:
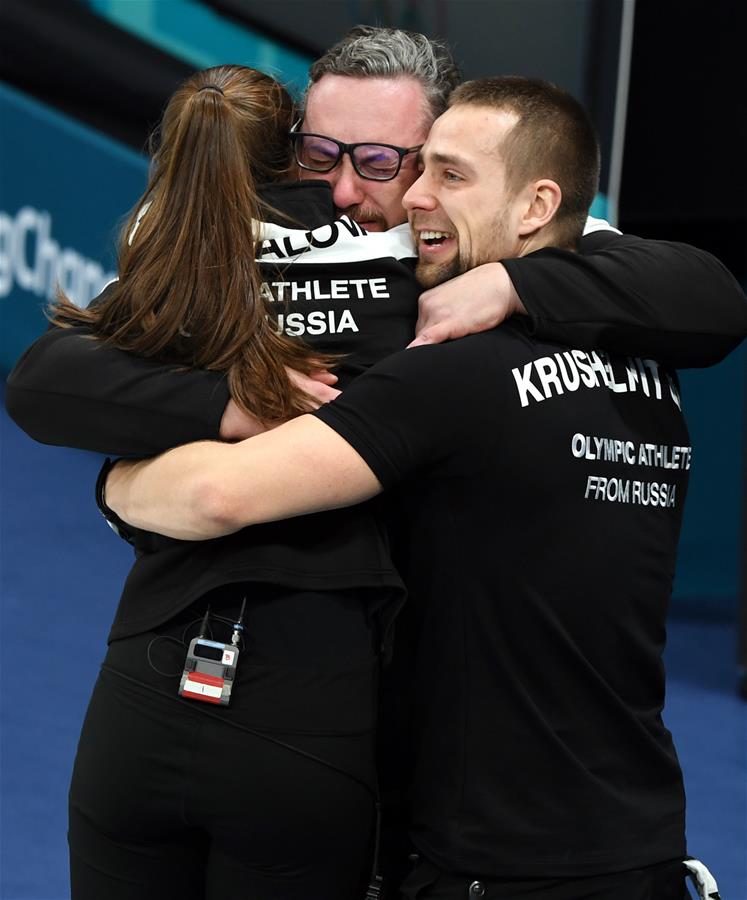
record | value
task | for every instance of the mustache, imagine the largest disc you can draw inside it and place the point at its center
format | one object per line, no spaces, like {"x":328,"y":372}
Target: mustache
{"x":363,"y":214}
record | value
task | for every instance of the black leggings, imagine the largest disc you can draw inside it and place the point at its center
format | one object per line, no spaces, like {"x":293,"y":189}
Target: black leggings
{"x":271,"y":798}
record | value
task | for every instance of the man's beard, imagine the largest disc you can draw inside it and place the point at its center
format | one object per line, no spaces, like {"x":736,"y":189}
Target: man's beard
{"x":430,"y":274}
{"x":361,"y":214}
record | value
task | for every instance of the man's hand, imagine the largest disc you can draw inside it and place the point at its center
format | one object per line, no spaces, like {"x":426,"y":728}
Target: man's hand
{"x":476,"y":301}
{"x":237,"y":425}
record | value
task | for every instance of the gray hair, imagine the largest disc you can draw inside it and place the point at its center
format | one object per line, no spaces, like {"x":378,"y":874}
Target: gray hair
{"x":369,"y":52}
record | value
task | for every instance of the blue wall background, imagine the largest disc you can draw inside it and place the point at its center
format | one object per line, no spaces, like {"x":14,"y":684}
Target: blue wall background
{"x":63,"y":192}
{"x":712,"y":544}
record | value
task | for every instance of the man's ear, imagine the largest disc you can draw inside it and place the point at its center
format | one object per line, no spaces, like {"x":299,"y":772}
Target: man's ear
{"x":543,"y":198}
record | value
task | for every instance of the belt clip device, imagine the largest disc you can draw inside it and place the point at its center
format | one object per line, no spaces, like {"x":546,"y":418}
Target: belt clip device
{"x":210,"y":666}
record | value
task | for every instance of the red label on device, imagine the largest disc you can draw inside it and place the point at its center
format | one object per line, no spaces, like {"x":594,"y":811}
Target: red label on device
{"x":199,"y":686}
{"x":203,"y":678}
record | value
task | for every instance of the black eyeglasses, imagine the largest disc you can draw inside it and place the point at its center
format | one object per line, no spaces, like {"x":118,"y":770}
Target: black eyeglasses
{"x":376,"y":162}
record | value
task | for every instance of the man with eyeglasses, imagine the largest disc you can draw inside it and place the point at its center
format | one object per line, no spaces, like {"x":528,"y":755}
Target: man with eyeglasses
{"x":321,"y":155}
{"x":368,"y":178}
{"x":369,"y":106}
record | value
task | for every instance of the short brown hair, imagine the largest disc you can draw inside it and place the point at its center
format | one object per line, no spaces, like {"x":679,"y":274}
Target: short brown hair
{"x":553,"y":138}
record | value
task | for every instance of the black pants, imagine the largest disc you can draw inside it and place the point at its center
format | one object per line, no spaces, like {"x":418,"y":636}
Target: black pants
{"x":665,"y":881}
{"x":270,"y":798}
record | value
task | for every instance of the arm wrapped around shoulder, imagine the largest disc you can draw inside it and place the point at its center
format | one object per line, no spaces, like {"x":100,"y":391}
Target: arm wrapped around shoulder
{"x":657,"y":299}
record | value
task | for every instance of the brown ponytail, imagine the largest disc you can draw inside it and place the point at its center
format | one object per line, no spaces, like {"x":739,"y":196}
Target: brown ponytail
{"x":189,"y":284}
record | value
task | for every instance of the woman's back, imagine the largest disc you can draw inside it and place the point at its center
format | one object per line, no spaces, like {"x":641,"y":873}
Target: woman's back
{"x":367,"y":280}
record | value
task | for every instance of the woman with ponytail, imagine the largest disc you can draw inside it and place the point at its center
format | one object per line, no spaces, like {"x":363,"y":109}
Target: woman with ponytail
{"x":271,"y":795}
{"x":189,"y":285}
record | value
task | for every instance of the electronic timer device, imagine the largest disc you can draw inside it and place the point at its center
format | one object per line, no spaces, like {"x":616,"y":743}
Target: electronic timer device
{"x":210,"y":667}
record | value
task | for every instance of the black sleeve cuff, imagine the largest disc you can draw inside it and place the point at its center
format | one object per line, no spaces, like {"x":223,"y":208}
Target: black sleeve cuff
{"x":118,"y":526}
